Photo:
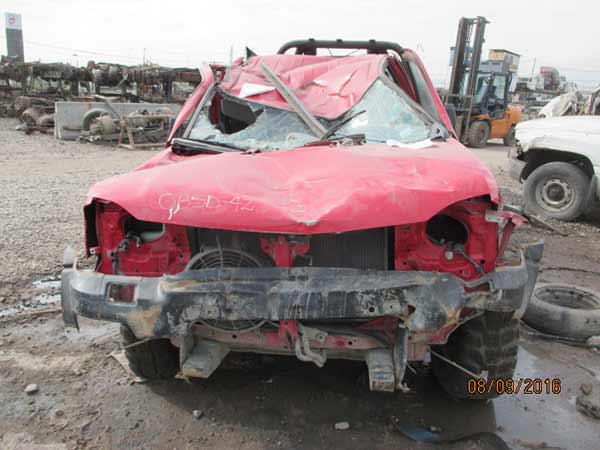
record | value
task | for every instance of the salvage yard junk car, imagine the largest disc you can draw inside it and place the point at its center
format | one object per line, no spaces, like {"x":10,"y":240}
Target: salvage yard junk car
{"x":308,"y":205}
{"x":558,"y":159}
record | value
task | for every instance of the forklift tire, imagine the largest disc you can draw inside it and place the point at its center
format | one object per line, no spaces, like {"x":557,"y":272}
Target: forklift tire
{"x":486,"y":345}
{"x":509,"y":139}
{"x":156,"y":359}
{"x":478,"y":134}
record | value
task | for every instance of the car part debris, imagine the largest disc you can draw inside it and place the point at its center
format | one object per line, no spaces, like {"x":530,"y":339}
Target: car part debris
{"x":534,"y":221}
{"x":119,"y":356}
{"x":564,"y":310}
{"x":588,"y":400}
{"x":29,"y":91}
{"x":140,"y":128}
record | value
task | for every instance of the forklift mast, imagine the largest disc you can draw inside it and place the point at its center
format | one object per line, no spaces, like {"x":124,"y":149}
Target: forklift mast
{"x":467,"y":56}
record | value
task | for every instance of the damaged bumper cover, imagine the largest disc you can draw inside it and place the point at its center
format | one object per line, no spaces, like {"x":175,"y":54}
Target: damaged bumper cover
{"x":168,"y":306}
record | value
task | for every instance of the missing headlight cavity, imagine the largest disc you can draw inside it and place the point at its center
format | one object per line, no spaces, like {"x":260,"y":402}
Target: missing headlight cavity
{"x":442,"y":229}
{"x":146,"y":231}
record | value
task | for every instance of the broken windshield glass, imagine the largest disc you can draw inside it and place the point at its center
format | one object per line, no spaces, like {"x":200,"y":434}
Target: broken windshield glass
{"x":272,"y":129}
{"x":387,"y":115}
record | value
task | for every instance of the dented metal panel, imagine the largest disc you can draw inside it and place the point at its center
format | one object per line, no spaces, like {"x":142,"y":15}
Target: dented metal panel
{"x":301,"y":190}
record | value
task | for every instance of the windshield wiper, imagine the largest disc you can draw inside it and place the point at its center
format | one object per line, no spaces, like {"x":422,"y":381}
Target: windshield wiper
{"x":203,"y":146}
{"x":340,"y":124}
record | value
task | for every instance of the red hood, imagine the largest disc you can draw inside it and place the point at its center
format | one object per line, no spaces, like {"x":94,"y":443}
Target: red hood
{"x":322,"y":189}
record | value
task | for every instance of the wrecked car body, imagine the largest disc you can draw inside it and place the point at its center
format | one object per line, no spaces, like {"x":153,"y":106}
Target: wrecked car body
{"x":308,"y":205}
{"x":558,"y":160}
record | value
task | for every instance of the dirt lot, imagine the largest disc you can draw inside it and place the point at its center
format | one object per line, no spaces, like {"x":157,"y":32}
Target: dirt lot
{"x":86,"y":399}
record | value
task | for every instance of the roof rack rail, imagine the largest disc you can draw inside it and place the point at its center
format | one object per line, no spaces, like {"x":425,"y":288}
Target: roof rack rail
{"x":310,"y":46}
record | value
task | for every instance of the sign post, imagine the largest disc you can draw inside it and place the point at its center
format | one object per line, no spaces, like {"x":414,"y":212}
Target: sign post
{"x":14,"y":36}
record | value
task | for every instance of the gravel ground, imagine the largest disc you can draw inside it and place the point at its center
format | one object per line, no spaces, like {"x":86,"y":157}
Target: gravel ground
{"x":86,"y":400}
{"x":43,"y":182}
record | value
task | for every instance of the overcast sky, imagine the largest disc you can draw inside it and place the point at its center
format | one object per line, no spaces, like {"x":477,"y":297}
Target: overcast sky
{"x":563,"y":34}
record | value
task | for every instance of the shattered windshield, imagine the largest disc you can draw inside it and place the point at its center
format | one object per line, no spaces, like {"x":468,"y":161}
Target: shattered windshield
{"x":273,"y":129}
{"x":381,"y":114}
{"x":387,"y":116}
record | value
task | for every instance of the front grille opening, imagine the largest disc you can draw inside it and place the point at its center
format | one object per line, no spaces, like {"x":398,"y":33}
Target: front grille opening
{"x":443,"y":229}
{"x":366,"y":249}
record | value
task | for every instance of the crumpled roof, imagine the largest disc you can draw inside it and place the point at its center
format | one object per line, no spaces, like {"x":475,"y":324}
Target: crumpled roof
{"x":327,"y":86}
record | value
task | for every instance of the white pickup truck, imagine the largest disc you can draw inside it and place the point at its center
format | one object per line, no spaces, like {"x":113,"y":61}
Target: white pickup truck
{"x":558,"y":159}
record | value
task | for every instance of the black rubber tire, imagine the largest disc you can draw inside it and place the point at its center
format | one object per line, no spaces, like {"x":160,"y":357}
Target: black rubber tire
{"x":478,"y":134}
{"x":509,"y":140}
{"x":569,"y":173}
{"x":153,"y":360}
{"x":564,"y":310}
{"x":489,"y":343}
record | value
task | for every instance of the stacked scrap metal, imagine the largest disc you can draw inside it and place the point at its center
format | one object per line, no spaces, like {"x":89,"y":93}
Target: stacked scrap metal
{"x":28,"y":90}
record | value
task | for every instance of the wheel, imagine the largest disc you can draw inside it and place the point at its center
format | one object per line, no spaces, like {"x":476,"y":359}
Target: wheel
{"x":478,"y":134}
{"x":92,"y":114}
{"x":152,"y":360}
{"x":509,"y":140}
{"x":489,"y":343}
{"x":564,"y":310}
{"x":557,"y":190}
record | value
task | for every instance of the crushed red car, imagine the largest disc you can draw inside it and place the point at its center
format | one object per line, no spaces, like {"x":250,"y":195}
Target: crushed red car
{"x":309,"y":205}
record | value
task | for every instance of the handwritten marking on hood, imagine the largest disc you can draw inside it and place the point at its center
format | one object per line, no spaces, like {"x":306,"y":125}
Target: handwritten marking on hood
{"x":174,"y":203}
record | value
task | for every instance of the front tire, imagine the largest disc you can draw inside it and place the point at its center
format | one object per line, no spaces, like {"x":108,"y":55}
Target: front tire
{"x":153,"y":360}
{"x":478,"y":134}
{"x":557,"y":190}
{"x":489,"y":343}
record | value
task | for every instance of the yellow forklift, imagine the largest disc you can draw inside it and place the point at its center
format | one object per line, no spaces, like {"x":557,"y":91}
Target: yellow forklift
{"x":478,"y":101}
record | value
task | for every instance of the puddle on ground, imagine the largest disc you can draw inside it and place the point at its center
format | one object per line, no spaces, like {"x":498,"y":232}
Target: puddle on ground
{"x":49,"y":297}
{"x":48,"y":283}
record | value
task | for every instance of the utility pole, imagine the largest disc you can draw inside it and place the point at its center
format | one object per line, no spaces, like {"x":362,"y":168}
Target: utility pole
{"x":533,"y":67}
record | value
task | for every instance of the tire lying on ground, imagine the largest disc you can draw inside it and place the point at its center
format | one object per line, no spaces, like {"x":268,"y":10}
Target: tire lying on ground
{"x":564,"y":310}
{"x":557,"y":190}
{"x":489,"y":343}
{"x":153,"y":360}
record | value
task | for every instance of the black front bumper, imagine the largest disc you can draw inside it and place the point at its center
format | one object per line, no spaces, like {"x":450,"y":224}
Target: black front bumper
{"x":170,"y":305}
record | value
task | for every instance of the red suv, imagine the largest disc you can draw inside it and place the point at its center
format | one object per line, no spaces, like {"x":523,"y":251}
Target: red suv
{"x":310,"y":205}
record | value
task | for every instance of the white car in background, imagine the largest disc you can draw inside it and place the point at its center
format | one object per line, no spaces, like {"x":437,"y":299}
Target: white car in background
{"x":558,"y":160}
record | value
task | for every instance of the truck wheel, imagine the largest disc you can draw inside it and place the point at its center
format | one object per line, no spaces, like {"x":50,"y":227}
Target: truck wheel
{"x":152,"y":360}
{"x":557,"y":190}
{"x":478,"y":134}
{"x":509,"y":140}
{"x":92,"y":114}
{"x":489,"y":343}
